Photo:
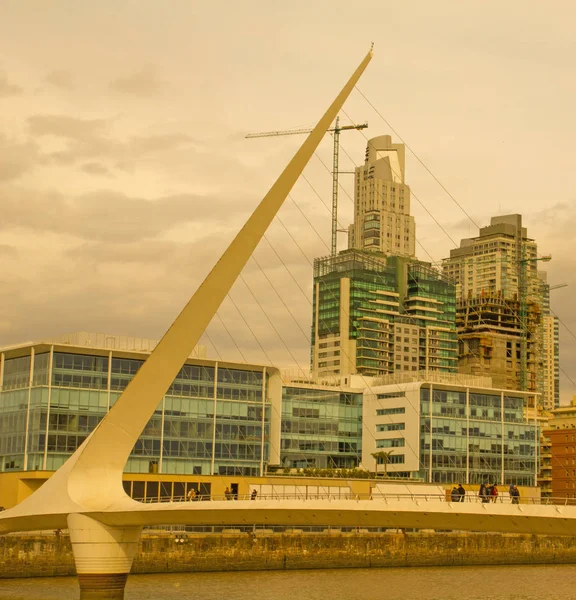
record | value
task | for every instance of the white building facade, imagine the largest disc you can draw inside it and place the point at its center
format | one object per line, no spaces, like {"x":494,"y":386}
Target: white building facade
{"x":449,"y":433}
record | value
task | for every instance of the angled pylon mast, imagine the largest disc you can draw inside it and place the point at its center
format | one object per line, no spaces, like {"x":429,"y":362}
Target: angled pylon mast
{"x":88,"y":487}
{"x":92,"y":477}
{"x":107,"y":451}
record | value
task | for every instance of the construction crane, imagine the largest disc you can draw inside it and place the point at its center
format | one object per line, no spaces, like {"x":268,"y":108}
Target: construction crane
{"x":336,"y":131}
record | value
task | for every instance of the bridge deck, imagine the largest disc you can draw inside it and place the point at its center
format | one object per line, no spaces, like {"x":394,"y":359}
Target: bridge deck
{"x":386,"y":511}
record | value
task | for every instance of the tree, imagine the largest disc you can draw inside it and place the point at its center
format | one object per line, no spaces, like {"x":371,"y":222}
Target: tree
{"x":382,"y":458}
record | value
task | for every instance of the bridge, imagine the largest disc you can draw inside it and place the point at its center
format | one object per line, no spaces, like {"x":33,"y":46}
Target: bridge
{"x":406,"y":511}
{"x":86,"y":496}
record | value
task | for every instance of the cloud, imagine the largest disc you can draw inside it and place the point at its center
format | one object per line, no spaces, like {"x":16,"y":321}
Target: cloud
{"x":93,"y":138}
{"x":112,"y":216}
{"x":7,"y":251}
{"x":159,"y":143}
{"x":68,"y":127}
{"x":61,"y":79}
{"x":556,"y":223}
{"x":7,"y":88}
{"x":16,"y":158}
{"x":97,"y":169}
{"x":144,"y":83}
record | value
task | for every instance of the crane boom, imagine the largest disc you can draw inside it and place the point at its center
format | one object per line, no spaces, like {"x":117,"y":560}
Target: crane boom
{"x":336,"y":130}
{"x":275,"y":133}
{"x":302,"y":131}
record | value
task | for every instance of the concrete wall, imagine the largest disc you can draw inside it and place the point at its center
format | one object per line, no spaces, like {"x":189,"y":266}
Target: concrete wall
{"x":42,"y":556}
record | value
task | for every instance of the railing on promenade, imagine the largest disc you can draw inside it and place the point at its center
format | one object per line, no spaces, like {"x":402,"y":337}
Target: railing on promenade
{"x":503,"y":498}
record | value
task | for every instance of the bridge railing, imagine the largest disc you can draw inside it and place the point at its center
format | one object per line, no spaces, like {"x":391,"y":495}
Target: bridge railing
{"x":503,"y":498}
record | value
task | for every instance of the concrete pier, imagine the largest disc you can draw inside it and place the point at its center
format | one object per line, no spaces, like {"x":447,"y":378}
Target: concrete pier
{"x":103,"y":556}
{"x":102,"y":587}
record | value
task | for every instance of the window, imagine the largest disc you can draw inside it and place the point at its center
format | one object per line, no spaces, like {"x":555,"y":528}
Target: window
{"x":398,"y":410}
{"x":391,"y":427}
{"x":391,"y":443}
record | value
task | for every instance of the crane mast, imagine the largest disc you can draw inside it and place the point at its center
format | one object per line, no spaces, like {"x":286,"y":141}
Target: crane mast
{"x":335,"y":160}
{"x":335,"y":188}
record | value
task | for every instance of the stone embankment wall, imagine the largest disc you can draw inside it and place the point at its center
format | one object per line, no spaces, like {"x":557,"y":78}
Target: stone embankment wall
{"x":42,"y":556}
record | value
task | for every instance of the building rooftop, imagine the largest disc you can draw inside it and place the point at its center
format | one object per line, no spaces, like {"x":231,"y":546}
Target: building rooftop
{"x":104,"y":341}
{"x":360,"y":382}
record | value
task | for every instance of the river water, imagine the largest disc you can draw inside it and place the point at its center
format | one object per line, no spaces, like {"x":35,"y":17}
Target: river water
{"x":538,"y":582}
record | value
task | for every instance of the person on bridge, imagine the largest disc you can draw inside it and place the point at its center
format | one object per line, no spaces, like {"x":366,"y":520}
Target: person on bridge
{"x":192,"y":495}
{"x":253,"y":495}
{"x":227,"y":493}
{"x":482,"y":492}
{"x":455,"y":495}
{"x":494,"y":493}
{"x":461,"y":492}
{"x":515,"y":495}
{"x":488,"y":492}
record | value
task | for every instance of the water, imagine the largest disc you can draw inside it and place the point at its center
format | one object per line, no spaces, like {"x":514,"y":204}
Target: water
{"x":530,"y":582}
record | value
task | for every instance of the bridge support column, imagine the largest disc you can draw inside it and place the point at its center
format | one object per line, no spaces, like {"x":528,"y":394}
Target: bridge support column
{"x":103,"y":556}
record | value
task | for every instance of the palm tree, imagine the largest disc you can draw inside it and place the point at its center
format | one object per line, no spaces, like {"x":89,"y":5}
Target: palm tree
{"x":382,"y":458}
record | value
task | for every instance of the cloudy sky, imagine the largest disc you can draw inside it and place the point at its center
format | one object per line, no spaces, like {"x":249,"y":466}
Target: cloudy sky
{"x":124,"y":170}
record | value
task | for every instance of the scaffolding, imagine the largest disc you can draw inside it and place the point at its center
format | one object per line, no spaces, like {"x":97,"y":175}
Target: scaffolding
{"x":492,"y":338}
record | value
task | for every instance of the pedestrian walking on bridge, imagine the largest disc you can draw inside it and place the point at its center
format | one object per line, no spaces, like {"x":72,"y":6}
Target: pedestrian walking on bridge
{"x":455,"y":495}
{"x":515,"y":495}
{"x":461,"y":492}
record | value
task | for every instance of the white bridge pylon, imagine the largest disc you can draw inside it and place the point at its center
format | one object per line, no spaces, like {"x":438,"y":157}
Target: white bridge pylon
{"x":86,"y":493}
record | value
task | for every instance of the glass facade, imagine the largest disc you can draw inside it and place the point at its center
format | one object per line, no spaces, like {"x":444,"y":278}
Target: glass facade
{"x":430,"y":296}
{"x":218,"y":420}
{"x":321,"y":428}
{"x":213,"y":420}
{"x":476,"y":438}
{"x":384,"y":300}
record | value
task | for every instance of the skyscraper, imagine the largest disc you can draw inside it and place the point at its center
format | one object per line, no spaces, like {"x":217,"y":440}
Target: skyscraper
{"x":550,"y":373}
{"x":376,"y":308}
{"x":502,"y":309}
{"x":382,"y":220}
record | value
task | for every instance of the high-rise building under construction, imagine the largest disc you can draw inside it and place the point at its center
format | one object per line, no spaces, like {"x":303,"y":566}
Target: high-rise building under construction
{"x":505,"y":327}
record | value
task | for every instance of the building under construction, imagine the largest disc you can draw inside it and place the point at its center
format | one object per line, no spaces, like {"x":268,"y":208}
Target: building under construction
{"x":490,"y":340}
{"x":502,"y":310}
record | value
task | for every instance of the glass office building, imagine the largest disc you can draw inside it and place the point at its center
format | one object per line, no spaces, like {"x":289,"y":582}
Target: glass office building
{"x":375,"y":315}
{"x":451,"y":433}
{"x":321,"y":428}
{"x":476,"y":437}
{"x":215,"y":419}
{"x":233,"y":419}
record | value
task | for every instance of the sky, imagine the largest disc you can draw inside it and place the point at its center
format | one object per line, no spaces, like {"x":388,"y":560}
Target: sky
{"x":125,"y":171}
